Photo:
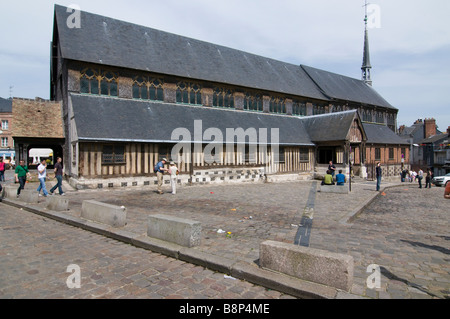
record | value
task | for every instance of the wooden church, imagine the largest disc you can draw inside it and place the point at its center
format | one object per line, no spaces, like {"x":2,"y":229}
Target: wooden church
{"x":132,"y":95}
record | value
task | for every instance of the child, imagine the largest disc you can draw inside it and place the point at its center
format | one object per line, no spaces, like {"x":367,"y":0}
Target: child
{"x":173,"y":171}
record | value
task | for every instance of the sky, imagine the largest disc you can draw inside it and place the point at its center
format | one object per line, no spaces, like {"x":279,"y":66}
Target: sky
{"x":409,"y":41}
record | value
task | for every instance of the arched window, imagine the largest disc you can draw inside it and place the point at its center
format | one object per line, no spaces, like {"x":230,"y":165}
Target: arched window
{"x":223,"y":98}
{"x":277,"y":105}
{"x":109,"y":84}
{"x":98,"y":82}
{"x":337,"y":108}
{"x":318,"y":109}
{"x":367,"y":116}
{"x":299,"y":108}
{"x":253,"y":102}
{"x":189,"y":93}
{"x":89,"y":82}
{"x":145,"y":88}
{"x":380,"y":117}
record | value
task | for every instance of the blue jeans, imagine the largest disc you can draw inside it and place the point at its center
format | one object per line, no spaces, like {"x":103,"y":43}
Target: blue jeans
{"x":22,"y":181}
{"x":42,"y":186}
{"x":59,"y":179}
{"x":378,"y":182}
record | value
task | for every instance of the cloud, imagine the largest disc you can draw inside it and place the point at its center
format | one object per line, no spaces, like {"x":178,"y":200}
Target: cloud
{"x":409,"y":51}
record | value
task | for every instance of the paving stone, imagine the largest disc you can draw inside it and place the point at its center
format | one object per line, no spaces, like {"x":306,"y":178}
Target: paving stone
{"x":410,"y":241}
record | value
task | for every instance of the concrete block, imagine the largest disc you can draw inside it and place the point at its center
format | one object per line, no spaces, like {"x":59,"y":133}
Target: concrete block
{"x":30,"y":196}
{"x":10,"y":191}
{"x":57,"y":203}
{"x":334,"y":189}
{"x":319,"y":266}
{"x":111,"y":215}
{"x":183,"y":232}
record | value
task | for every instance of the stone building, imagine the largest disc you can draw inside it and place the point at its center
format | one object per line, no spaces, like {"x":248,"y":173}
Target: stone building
{"x":130,"y":94}
{"x":37,"y":124}
{"x":6,"y":120}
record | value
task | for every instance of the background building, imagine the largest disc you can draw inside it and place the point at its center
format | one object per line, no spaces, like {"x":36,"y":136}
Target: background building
{"x":7,"y":142}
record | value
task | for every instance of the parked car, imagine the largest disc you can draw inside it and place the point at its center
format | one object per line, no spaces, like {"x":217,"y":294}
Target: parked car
{"x":441,"y":180}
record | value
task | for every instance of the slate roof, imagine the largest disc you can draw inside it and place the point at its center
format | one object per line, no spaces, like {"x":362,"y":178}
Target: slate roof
{"x":340,"y":87}
{"x":329,"y":127}
{"x":435,"y":138}
{"x":381,"y":134}
{"x":124,"y":120}
{"x":107,"y":41}
{"x":5,"y":105}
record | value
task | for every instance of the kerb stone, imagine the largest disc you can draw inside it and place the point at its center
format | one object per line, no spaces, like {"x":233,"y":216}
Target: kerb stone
{"x":319,"y":266}
{"x":184,"y":232}
{"x":111,"y":215}
{"x":29,"y":196}
{"x":10,"y":191}
{"x":57,"y":203}
{"x":334,"y":189}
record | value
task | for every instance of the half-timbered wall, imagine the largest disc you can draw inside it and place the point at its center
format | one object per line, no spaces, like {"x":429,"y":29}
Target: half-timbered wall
{"x":103,"y":160}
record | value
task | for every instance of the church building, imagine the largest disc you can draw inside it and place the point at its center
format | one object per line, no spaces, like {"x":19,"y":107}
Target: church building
{"x":132,"y":95}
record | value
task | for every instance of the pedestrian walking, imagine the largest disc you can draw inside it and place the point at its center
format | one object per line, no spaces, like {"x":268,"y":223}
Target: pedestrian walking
{"x":428,"y":179}
{"x":21,"y":173}
{"x":42,"y":176}
{"x":404,"y":173}
{"x":173,"y":171}
{"x":413,"y":176}
{"x":379,"y":173}
{"x":2,"y":170}
{"x":420,"y":177}
{"x":160,"y":170}
{"x":59,"y":177}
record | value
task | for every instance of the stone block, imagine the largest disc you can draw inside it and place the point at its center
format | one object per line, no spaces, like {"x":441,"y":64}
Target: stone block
{"x":30,"y":196}
{"x":57,"y":203}
{"x":334,"y":189}
{"x":111,"y":215}
{"x":183,"y":232}
{"x":10,"y":191}
{"x":319,"y":266}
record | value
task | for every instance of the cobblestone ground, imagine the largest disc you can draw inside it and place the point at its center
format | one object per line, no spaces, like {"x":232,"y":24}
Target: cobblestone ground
{"x":405,"y":232}
{"x":35,"y":253}
{"x":252,"y":213}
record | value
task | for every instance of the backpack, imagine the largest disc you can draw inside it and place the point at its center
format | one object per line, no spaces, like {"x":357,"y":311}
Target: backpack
{"x":156,"y":168}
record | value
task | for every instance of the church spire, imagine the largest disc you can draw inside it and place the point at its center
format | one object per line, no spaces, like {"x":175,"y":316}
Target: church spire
{"x":366,"y":66}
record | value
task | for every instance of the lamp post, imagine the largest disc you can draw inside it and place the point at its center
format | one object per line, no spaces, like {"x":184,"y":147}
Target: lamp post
{"x":350,"y":160}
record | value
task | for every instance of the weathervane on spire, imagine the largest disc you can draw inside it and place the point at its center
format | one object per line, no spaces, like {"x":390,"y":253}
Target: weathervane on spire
{"x":366,"y":66}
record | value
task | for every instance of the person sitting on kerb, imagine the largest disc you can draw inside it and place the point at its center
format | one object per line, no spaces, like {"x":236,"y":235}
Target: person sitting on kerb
{"x":328,"y":180}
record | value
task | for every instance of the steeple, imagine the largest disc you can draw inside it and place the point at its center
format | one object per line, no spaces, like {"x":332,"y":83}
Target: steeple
{"x":366,"y":66}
